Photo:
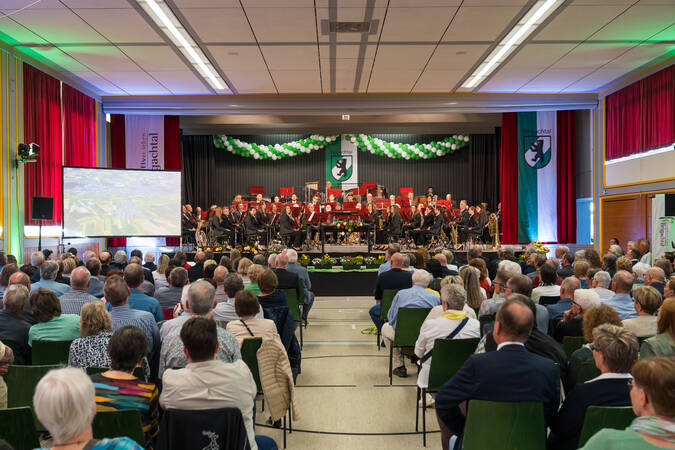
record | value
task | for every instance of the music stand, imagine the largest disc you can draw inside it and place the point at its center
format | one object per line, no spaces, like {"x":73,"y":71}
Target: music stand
{"x":405,"y":191}
{"x":255,"y":190}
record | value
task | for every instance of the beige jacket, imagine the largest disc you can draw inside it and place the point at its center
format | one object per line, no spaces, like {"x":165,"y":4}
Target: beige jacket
{"x":276,"y":379}
{"x":3,"y":386}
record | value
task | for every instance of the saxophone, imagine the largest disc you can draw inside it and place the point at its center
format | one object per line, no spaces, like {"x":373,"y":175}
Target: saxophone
{"x":493,"y":228}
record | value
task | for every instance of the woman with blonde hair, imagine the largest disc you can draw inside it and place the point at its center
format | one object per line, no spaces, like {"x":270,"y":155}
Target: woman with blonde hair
{"x":474,"y":296}
{"x":159,"y":275}
{"x":647,"y":302}
{"x":91,"y":350}
{"x":242,"y":270}
{"x":479,"y":263}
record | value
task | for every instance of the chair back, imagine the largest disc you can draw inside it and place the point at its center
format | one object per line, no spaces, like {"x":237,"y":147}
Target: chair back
{"x":293,"y":303}
{"x":249,"y":350}
{"x":18,"y":359}
{"x":572,"y":343}
{"x":587,"y":371}
{"x":387,"y":298}
{"x":447,"y":358}
{"x":408,"y":324}
{"x":138,"y":371}
{"x":549,"y":299}
{"x":204,"y":428}
{"x":511,"y":425}
{"x":50,"y":352}
{"x":17,"y":428}
{"x":21,"y":382}
{"x":599,"y":417}
{"x":404,"y":191}
{"x":168,"y":313}
{"x":122,"y":423}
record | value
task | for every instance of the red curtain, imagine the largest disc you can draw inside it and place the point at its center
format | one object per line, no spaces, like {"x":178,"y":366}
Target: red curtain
{"x":566,"y":174}
{"x":508,"y":169}
{"x":42,"y":125}
{"x":79,"y":122}
{"x":172,"y":156}
{"x":641,"y":117}
{"x":118,"y":159}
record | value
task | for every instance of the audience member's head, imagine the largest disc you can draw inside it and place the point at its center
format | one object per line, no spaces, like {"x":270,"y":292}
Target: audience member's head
{"x":666,"y":318}
{"x":37,"y":258}
{"x":120,"y":257}
{"x":479,"y":263}
{"x":593,"y":258}
{"x":127,"y":348}
{"x":647,"y":300}
{"x":7,"y":271}
{"x":245,"y":264}
{"x":441,"y":258}
{"x":94,"y":318}
{"x":27,"y":269}
{"x":510,"y":266}
{"x":653,"y":392}
{"x":453,"y":296}
{"x":639,"y":271}
{"x":93,"y":265}
{"x":393,"y":248}
{"x":609,"y":262}
{"x":135,"y":260}
{"x":396,"y":260}
{"x":567,"y":259}
{"x":209,"y":270}
{"x":200,"y":257}
{"x":615,"y":349}
{"x":200,"y":297}
{"x":104,"y":257}
{"x":421,"y":277}
{"x":668,"y":290}
{"x":246,"y":304}
{"x":262,"y":261}
{"x":548,"y":274}
{"x":219,"y":275}
{"x":597,"y":315}
{"x":602,"y":279}
{"x":268,"y":282}
{"x":664,"y":265}
{"x":115,"y":290}
{"x":20,"y":278}
{"x":471,"y":277}
{"x":79,"y":279}
{"x":561,"y":250}
{"x":133,"y":275}
{"x":519,"y":284}
{"x":272,"y":261}
{"x":434,"y":268}
{"x":49,"y":270}
{"x":44,"y":304}
{"x":69,"y":265}
{"x":200,"y":339}
{"x":654,"y":275}
{"x":292,"y":256}
{"x":178,"y":277}
{"x":586,"y":299}
{"x":581,"y":269}
{"x":233,"y":284}
{"x":448,"y":255}
{"x":568,"y":286}
{"x":254,"y":272}
{"x":622,"y":283}
{"x":15,"y":298}
{"x":616,"y":250}
{"x":149,"y":257}
{"x":514,"y":321}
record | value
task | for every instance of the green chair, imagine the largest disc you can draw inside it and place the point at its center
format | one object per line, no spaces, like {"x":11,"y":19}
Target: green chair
{"x":587,"y":371}
{"x":387,"y":298}
{"x":504,"y":426}
{"x":599,"y":417}
{"x":122,"y":423}
{"x":572,"y":343}
{"x":294,"y":306}
{"x":138,"y":371}
{"x":249,"y":348}
{"x":50,"y":352}
{"x":17,"y":427}
{"x":21,"y":382}
{"x":447,"y":358}
{"x":408,"y":324}
{"x":18,"y":360}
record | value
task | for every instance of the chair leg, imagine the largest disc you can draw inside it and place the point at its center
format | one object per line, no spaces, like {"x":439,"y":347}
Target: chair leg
{"x":378,"y":340}
{"x":424,"y":417}
{"x":391,"y":361}
{"x":290,"y":422}
{"x":417,"y":410}
{"x":284,"y":431}
{"x":301,"y":341}
{"x":263,"y":404}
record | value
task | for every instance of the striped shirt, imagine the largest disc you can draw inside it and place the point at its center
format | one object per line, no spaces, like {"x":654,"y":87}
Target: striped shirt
{"x":73,"y":301}
{"x":123,"y":315}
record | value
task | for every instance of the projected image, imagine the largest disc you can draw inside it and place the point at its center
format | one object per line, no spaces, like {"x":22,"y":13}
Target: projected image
{"x":100,"y":202}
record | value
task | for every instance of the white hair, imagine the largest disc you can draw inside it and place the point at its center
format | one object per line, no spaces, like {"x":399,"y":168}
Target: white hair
{"x":510,"y":266}
{"x":586,"y":298}
{"x":64,"y":402}
{"x":616,"y":250}
{"x":149,"y":257}
{"x":49,"y":270}
{"x":639,"y":270}
{"x":36,"y":258}
{"x":292,"y":256}
{"x":87,"y":255}
{"x":421,"y":277}
{"x":120,"y":257}
{"x":603,"y":279}
{"x":272,"y":260}
{"x":579,"y":255}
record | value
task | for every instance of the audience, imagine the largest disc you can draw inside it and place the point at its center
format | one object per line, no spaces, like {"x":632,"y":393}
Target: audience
{"x":303,"y":275}
{"x":65,"y":403}
{"x":490,"y":306}
{"x":567,"y":288}
{"x":622,"y":284}
{"x":160,"y":274}
{"x":91,"y":350}
{"x":669,"y":290}
{"x":36,"y":261}
{"x":6,"y":359}
{"x":393,"y":278}
{"x":656,"y":278}
{"x":169,"y":296}
{"x":7,"y":271}
{"x":647,"y":302}
{"x":547,"y":287}
{"x":48,"y":272}
{"x":149,"y":259}
{"x":73,"y":300}
{"x":566,"y":261}
{"x":601,"y":283}
{"x":643,"y":247}
{"x":119,"y":389}
{"x":615,"y":350}
{"x":254,"y":272}
{"x":653,"y":399}
{"x":93,"y":265}
{"x":663,"y":344}
{"x":393,"y":248}
{"x":242,"y":269}
{"x":250,"y":322}
{"x":474,"y":293}
{"x":286,"y":279}
{"x":133,"y":275}
{"x":52,"y":325}
{"x":225,"y":311}
{"x":639,"y":271}
{"x":571,"y":325}
{"x":197,"y":271}
{"x":581,"y":272}
{"x":12,"y":326}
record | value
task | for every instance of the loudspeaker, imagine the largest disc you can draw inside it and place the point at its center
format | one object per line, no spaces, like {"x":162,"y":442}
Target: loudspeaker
{"x":43,"y":208}
{"x":670,"y":205}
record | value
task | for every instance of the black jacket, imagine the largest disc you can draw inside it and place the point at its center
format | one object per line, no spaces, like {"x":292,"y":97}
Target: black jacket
{"x":251,"y":225}
{"x":196,"y":272}
{"x":437,"y":226}
{"x":204,"y":428}
{"x":286,"y":225}
{"x":288,"y":280}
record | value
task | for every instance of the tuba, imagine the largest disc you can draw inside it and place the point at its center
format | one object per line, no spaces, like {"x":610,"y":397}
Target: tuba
{"x":493,"y":228}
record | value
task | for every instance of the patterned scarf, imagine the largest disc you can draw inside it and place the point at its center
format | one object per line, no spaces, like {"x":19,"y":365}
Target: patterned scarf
{"x":656,"y":427}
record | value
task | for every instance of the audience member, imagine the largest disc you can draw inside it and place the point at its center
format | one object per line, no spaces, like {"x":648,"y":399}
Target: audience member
{"x":7,"y":271}
{"x":242,"y":269}
{"x":643,"y":248}
{"x":547,"y":288}
{"x":593,"y":258}
{"x":656,"y":278}
{"x":393,"y":278}
{"x":119,"y":260}
{"x":616,"y":250}
{"x":6,"y":359}
{"x":73,"y":300}
{"x":250,"y":322}
{"x":295,"y":267}
{"x":581,"y":272}
{"x":647,"y":302}
{"x":91,"y":350}
{"x":417,"y":296}
{"x":149,"y":259}
{"x":253,"y":274}
{"x":623,"y":263}
{"x":663,"y":344}
{"x":615,"y":350}
{"x":225,"y":311}
{"x":52,"y":325}
{"x":622,"y":284}
{"x":160,"y":274}
{"x":666,"y":265}
{"x":491,"y":305}
{"x":93,"y":265}
{"x":168,"y":297}
{"x":133,"y":275}
{"x":653,"y":398}
{"x":639,"y":271}
{"x":567,"y":288}
{"x":609,"y":264}
{"x":105,"y":259}
{"x":286,"y":279}
{"x":69,"y":264}
{"x":474,"y":293}
{"x":669,"y":290}
{"x":48,"y":272}
{"x":119,"y":389}
{"x":36,"y":260}
{"x":65,"y":403}
{"x":450,"y":257}
{"x":272,"y":261}
{"x":600,"y":284}
{"x":12,"y":326}
{"x":572,"y":323}
{"x":566,"y":262}
{"x":197,"y":271}
{"x":393,"y":248}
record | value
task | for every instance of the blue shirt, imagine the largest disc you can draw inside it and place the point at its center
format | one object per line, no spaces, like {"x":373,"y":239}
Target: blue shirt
{"x":123,"y":315}
{"x":557,"y":310}
{"x":384,"y":267}
{"x":623,"y":305}
{"x":57,"y":288}
{"x":138,"y":300}
{"x":414,"y":297}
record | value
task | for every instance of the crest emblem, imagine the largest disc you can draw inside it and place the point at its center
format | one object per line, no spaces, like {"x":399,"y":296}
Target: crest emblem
{"x":341,"y":167}
{"x":538,"y":153}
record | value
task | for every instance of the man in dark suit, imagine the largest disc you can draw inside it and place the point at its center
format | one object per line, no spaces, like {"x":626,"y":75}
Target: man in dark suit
{"x":510,"y":374}
{"x":197,"y":271}
{"x":566,"y":262}
{"x":287,"y":280}
{"x":463,"y":221}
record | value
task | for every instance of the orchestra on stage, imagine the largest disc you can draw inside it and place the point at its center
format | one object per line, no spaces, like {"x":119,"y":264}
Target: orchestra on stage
{"x":360,"y":216}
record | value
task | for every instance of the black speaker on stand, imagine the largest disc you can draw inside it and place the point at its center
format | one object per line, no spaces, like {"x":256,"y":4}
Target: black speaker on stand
{"x":43,"y":209}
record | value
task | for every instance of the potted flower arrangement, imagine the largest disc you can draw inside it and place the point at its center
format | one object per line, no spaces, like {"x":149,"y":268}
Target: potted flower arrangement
{"x":248,"y":251}
{"x":275,"y":248}
{"x":304,"y":260}
{"x":213,"y":248}
{"x":370,"y":261}
{"x":348,"y":225}
{"x":351,"y":262}
{"x":325,"y":262}
{"x":380,"y":260}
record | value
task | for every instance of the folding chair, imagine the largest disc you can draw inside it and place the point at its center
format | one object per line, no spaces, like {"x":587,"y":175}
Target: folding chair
{"x":447,"y":358}
{"x":50,"y":352}
{"x":504,"y":426}
{"x":572,"y":343}
{"x":18,"y":360}
{"x":587,"y":371}
{"x":408,"y":324}
{"x":294,"y":306}
{"x":204,"y":428}
{"x":122,"y":423}
{"x":599,"y":417}
{"x":549,"y":299}
{"x":21,"y":382}
{"x":17,"y":428}
{"x":387,"y":298}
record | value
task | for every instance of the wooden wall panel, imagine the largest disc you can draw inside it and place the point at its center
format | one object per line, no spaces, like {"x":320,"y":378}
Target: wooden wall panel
{"x":624,"y":218}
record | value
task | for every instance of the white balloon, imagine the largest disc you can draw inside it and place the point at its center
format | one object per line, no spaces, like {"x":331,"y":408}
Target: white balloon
{"x":466,"y":138}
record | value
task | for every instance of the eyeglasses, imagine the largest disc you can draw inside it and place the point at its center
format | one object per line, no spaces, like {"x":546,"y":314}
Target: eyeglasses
{"x":592,"y":347}
{"x":630,"y":383}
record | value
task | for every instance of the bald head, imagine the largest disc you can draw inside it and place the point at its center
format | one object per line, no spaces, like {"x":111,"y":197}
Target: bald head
{"x":568,"y":286}
{"x":396,"y":261}
{"x":655,"y":275}
{"x":622,"y":282}
{"x":440,"y":257}
{"x":79,"y":278}
{"x":514,"y":321}
{"x":200,"y":257}
{"x":104,"y":257}
{"x":21,"y":278}
{"x":282,"y":260}
{"x":219,"y":274}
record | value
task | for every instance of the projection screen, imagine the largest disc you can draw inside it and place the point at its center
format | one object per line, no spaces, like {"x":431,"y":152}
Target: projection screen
{"x":121,"y":202}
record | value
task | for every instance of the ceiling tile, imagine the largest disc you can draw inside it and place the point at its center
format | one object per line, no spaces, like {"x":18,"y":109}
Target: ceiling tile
{"x":352,"y":3}
{"x":182,"y":82}
{"x":495,"y":2}
{"x":594,"y":82}
{"x":666,"y":35}
{"x":438,"y":80}
{"x":283,"y":24}
{"x":456,"y":57}
{"x":115,"y":24}
{"x":423,"y":3}
{"x":297,"y":81}
{"x":416,"y":24}
{"x":251,"y":81}
{"x":135,"y":83}
{"x":395,"y":57}
{"x":587,"y":19}
{"x":15,"y":33}
{"x":344,"y":80}
{"x":348,"y":51}
{"x":345,"y":14}
{"x":554,"y":80}
{"x":537,"y":56}
{"x":219,"y":24}
{"x":52,"y":56}
{"x":639,"y":56}
{"x":103,"y":85}
{"x":348,"y":64}
{"x":154,"y":58}
{"x":278,"y":3}
{"x":291,"y":57}
{"x":97,"y":4}
{"x":475,"y":23}
{"x":58,"y":26}
{"x":102,"y":58}
{"x":638,"y":23}
{"x":385,"y":80}
{"x":591,"y":56}
{"x":507,"y":80}
{"x":235,"y":57}
{"x":207,"y":3}
{"x":12,"y":5}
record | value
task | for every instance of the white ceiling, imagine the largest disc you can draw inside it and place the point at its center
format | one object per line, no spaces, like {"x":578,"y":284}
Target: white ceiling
{"x":279,"y":47}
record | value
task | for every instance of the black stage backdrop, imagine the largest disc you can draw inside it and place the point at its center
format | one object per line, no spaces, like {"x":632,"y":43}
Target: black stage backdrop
{"x":214,"y":176}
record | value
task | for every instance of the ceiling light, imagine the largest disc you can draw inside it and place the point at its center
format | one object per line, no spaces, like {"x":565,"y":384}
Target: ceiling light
{"x":534,"y":17}
{"x":167,"y":21}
